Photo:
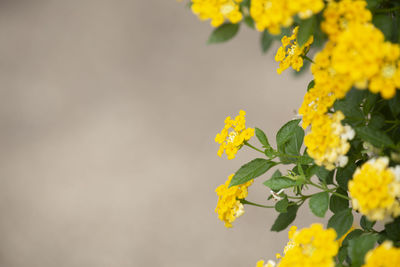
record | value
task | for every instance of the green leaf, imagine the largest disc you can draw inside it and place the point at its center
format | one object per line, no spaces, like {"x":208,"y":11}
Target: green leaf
{"x":286,"y":132}
{"x":393,"y":229}
{"x":324,"y":175}
{"x":293,"y":146}
{"x":306,"y":29}
{"x":355,"y":96}
{"x":366,"y":224}
{"x":359,"y":246}
{"x":384,"y":23}
{"x":341,"y":222}
{"x":377,"y":121}
{"x":394,"y":105}
{"x":262,"y":137}
{"x":312,"y":171}
{"x":285,"y":219}
{"x":266,"y":41}
{"x":353,"y":234}
{"x":342,"y":254}
{"x":372,"y":4}
{"x":310,"y":85}
{"x":249,"y":22}
{"x":338,"y":204}
{"x":278,"y":183}
{"x":305,"y":159}
{"x":277,"y":173}
{"x":375,"y":137}
{"x":343,"y":175}
{"x":319,"y":204}
{"x":251,"y":170}
{"x":223,"y":33}
{"x":281,"y":205}
{"x":351,"y":111}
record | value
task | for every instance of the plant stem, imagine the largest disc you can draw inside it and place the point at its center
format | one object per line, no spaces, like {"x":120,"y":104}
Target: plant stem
{"x":329,"y":190}
{"x":253,"y":147}
{"x":307,"y":58}
{"x":340,"y":195}
{"x":244,"y":201}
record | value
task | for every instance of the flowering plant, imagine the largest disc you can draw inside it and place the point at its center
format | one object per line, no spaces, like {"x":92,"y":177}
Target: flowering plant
{"x":346,"y":144}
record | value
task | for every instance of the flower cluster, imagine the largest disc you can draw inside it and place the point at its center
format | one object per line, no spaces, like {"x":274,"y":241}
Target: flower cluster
{"x":232,"y":141}
{"x":229,"y":207}
{"x":375,"y":189}
{"x":274,"y":14}
{"x":384,"y":255}
{"x":327,"y":141}
{"x":217,"y":10}
{"x":339,"y":15}
{"x":313,"y":246}
{"x":290,"y":53}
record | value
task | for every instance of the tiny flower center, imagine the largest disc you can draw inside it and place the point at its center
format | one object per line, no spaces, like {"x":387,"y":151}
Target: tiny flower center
{"x":292,"y":50}
{"x":343,"y":23}
{"x":308,"y":249}
{"x":231,"y":136}
{"x":388,"y":71}
{"x":227,"y":8}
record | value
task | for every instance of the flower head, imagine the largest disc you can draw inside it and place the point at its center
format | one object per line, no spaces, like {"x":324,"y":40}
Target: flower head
{"x":271,"y":15}
{"x":313,"y":246}
{"x":327,"y":142}
{"x":384,"y":255}
{"x":290,"y":53}
{"x":375,"y":189}
{"x":217,"y":10}
{"x":233,"y":135}
{"x":339,"y":15}
{"x":229,"y":207}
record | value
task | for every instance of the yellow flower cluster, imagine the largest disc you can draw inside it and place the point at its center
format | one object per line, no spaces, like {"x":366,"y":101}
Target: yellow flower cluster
{"x":217,"y":10}
{"x":362,"y":54}
{"x":338,"y":15}
{"x":313,"y":246}
{"x":274,"y":14}
{"x":329,"y":86}
{"x":229,"y":207}
{"x":385,"y":255}
{"x":327,"y":142}
{"x":290,"y":53}
{"x":375,"y":189}
{"x":232,"y":141}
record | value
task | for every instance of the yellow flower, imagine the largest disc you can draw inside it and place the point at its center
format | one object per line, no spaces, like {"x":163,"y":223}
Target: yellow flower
{"x":217,"y":10}
{"x":339,"y":15}
{"x":327,"y":142}
{"x":232,"y":141}
{"x":388,"y":78}
{"x":313,"y":246}
{"x":290,"y":53}
{"x":274,"y":14}
{"x":328,"y":86}
{"x":229,"y":207}
{"x":375,"y":189}
{"x":362,"y":54}
{"x":385,"y":255}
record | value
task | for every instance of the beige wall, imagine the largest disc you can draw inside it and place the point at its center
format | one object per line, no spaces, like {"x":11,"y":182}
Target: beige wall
{"x":108,"y":114}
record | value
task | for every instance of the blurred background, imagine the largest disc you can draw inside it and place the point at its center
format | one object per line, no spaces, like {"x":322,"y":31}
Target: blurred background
{"x":109,"y":111}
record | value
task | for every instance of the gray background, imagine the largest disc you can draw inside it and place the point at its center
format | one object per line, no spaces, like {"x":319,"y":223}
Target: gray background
{"x":109,"y":111}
